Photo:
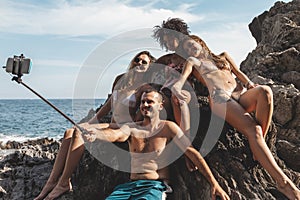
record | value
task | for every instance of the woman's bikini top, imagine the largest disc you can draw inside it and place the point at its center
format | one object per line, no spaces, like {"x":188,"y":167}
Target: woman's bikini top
{"x":206,"y":67}
{"x":126,"y":99}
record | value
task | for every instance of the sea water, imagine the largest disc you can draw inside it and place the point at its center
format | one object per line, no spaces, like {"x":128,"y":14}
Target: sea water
{"x":23,"y":119}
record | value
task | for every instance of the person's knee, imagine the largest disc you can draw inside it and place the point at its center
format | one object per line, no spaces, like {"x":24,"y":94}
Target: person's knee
{"x":188,"y":96}
{"x":256,"y":133}
{"x":68,"y":133}
{"x":266,"y":92}
{"x":76,"y":134}
{"x":176,"y":101}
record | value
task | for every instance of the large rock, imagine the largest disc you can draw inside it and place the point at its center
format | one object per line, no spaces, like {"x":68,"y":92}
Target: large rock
{"x":275,"y":62}
{"x":24,"y":170}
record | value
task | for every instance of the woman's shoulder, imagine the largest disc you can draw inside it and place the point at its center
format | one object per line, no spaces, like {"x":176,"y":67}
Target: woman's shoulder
{"x":224,"y":54}
{"x":117,"y":79}
{"x":119,"y":76}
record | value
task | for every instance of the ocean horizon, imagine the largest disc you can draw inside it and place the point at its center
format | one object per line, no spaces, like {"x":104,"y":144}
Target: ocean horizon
{"x":29,"y":119}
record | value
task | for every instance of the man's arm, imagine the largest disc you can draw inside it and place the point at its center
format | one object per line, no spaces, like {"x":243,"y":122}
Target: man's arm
{"x":185,"y":145}
{"x":203,"y":168}
{"x":108,"y":134}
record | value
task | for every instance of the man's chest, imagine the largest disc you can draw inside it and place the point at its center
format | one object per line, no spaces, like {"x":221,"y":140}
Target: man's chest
{"x":147,"y":143}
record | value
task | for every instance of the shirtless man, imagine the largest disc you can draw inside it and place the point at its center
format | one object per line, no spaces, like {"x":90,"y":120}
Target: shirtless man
{"x":148,"y":141}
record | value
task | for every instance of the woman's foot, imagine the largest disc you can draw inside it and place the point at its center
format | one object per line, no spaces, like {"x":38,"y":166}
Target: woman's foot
{"x":289,"y":190}
{"x":46,"y":189}
{"x":59,"y":190}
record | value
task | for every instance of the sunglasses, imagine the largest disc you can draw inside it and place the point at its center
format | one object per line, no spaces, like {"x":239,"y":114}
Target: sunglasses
{"x":137,"y":60}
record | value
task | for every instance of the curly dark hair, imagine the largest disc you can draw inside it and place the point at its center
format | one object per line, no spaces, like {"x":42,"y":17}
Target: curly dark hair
{"x":173,"y":26}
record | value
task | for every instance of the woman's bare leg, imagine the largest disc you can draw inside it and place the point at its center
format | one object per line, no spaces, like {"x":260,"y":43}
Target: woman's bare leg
{"x":74,"y":155}
{"x":260,"y":100}
{"x":243,"y":122}
{"x":58,"y":166}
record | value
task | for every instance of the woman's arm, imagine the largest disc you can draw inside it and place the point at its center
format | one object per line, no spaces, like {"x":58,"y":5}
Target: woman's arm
{"x":239,"y":74}
{"x":116,"y":82}
{"x":104,"y":110}
{"x":187,"y":70}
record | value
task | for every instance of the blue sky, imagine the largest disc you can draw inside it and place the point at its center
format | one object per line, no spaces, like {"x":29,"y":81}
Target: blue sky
{"x":63,"y":38}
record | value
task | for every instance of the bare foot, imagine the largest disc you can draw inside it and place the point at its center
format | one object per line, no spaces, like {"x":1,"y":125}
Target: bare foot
{"x":45,"y":191}
{"x":58,"y":191}
{"x":289,"y":190}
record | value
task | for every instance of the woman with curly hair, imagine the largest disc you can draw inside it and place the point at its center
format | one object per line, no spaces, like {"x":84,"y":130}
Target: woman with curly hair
{"x":169,"y":35}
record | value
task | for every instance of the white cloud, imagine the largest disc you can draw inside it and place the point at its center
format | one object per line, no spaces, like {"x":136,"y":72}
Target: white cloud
{"x":84,"y":18}
{"x":56,"y":63}
{"x":232,"y":38}
{"x":97,"y":20}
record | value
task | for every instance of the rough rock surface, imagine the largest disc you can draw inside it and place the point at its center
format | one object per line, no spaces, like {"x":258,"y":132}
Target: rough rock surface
{"x":275,"y":62}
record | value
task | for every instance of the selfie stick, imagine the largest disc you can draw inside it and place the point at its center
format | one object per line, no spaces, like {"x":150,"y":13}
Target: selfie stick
{"x":19,"y":65}
{"x":19,"y":80}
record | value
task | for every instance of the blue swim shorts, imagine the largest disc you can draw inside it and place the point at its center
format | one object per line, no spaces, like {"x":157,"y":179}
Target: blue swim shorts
{"x":139,"y":190}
